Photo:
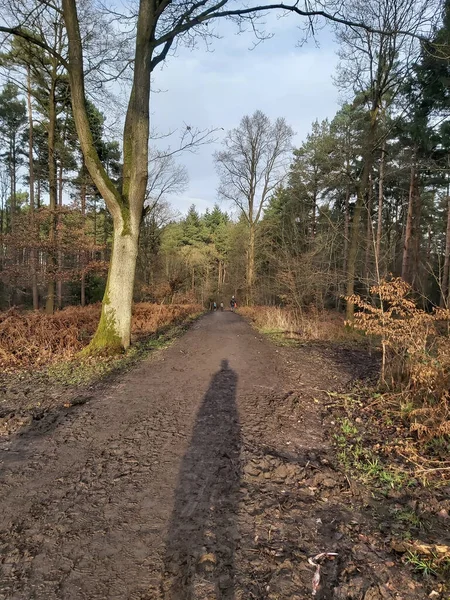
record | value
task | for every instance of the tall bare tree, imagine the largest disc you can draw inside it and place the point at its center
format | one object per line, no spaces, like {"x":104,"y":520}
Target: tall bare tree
{"x":251,"y":165}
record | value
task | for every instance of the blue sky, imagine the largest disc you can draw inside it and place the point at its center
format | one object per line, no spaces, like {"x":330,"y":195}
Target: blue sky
{"x":209,"y":89}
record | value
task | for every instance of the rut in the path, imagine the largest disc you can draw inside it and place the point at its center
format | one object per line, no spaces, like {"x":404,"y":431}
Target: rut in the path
{"x":202,"y":475}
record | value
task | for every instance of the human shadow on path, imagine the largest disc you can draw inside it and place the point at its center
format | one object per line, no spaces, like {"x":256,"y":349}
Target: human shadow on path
{"x":202,"y":534}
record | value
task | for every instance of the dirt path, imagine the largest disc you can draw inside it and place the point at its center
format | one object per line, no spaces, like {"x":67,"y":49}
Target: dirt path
{"x":203,"y":475}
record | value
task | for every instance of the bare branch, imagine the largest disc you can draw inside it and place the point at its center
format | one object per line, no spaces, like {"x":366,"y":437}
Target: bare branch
{"x":253,"y":163}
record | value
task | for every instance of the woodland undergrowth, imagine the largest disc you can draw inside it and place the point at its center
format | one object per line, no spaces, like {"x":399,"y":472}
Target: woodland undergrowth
{"x":34,"y":339}
{"x":404,"y":420}
{"x":415,"y":370}
{"x":405,"y":415}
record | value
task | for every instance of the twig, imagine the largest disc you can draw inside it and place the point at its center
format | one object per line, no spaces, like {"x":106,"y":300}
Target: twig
{"x":313,"y":561}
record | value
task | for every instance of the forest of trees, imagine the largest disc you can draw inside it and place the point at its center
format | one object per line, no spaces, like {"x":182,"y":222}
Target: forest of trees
{"x":366,"y":195}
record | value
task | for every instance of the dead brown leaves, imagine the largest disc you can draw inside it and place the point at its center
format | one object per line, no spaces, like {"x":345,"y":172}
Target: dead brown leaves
{"x":440,"y":551}
{"x":416,"y":363}
{"x":32,"y":339}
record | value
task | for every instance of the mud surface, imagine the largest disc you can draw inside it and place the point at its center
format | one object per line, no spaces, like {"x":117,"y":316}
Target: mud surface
{"x":205,"y":473}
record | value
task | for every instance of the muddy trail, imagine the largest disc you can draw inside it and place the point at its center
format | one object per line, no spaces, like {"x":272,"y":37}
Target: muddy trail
{"x":205,"y":473}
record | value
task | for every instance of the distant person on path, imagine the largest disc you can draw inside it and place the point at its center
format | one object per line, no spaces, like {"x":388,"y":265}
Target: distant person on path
{"x":233,"y":303}
{"x":214,"y":306}
{"x":221,"y":306}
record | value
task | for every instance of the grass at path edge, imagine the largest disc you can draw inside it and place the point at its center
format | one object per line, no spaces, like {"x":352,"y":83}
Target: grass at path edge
{"x":91,"y":370}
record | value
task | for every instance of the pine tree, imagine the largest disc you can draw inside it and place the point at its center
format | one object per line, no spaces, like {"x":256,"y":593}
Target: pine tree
{"x":12,"y":122}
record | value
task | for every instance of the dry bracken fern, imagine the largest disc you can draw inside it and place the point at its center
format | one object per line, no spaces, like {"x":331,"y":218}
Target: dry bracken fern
{"x":416,"y":351}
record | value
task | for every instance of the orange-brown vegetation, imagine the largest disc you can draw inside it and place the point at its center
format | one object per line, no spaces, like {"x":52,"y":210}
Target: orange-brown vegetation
{"x":31,"y":339}
{"x":416,"y":355}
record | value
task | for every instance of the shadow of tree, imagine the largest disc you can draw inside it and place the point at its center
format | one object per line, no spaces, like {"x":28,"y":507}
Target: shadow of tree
{"x":202,"y":534}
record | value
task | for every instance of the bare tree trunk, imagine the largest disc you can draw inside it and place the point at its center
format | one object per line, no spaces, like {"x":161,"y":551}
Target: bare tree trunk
{"x":380,"y":204}
{"x":446,"y":274}
{"x":105,"y":235}
{"x":60,"y":254}
{"x":12,"y":167}
{"x":95,"y":221}
{"x":417,"y":236}
{"x":52,"y":184}
{"x":114,"y":329}
{"x":83,"y":251}
{"x":2,"y":209}
{"x":346,"y":227}
{"x":407,"y":246}
{"x":38,"y":190}
{"x":34,"y":287}
{"x":369,"y":233}
{"x":314,"y":209}
{"x":355,"y":236}
{"x":397,"y":243}
{"x":251,"y":264}
{"x":13,"y":183}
